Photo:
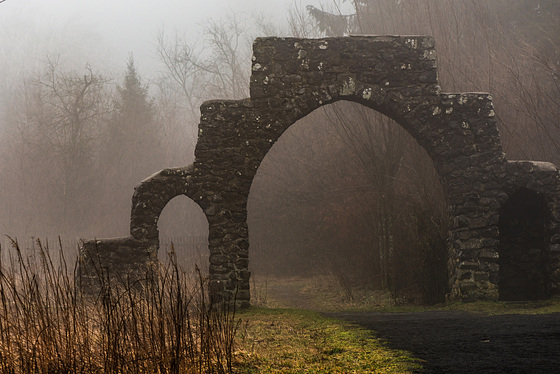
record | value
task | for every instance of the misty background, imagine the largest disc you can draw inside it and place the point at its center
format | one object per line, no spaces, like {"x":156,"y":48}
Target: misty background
{"x":97,"y":96}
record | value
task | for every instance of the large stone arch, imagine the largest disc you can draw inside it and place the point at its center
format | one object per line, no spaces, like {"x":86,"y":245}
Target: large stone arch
{"x":395,"y":75}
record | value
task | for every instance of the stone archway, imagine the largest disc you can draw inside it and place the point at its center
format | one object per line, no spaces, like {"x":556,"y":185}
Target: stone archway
{"x":395,"y":75}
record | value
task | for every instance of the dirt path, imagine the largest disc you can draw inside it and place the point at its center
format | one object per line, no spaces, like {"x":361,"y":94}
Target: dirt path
{"x":458,"y":342}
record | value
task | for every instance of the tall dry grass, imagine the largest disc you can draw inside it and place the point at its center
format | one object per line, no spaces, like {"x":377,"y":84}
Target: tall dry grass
{"x":47,"y":325}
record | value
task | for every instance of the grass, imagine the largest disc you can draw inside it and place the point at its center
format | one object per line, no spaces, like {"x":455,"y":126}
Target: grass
{"x":296,"y":341}
{"x":479,"y":307}
{"x":47,"y":325}
{"x":505,"y":307}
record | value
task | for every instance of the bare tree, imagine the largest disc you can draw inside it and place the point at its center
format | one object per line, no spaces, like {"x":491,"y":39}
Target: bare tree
{"x":57,"y":134}
{"x":220,"y":66}
{"x":229,"y":63}
{"x":182,"y":72}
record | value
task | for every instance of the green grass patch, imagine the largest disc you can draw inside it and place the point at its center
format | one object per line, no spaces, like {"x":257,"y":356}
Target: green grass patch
{"x":506,"y":307}
{"x":481,"y":307}
{"x":296,"y":341}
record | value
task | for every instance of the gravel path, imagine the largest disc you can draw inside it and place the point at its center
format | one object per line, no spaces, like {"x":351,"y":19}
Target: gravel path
{"x":458,"y":342}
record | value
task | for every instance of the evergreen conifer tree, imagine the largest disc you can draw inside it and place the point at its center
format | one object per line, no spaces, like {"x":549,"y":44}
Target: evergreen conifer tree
{"x":132,"y":128}
{"x":133,"y":149}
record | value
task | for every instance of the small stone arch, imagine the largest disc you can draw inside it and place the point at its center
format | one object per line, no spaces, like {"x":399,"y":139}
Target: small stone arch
{"x":523,"y":253}
{"x":132,"y":258}
{"x":394,"y":75}
{"x":152,"y":195}
{"x":537,"y":183}
{"x":183,"y":236}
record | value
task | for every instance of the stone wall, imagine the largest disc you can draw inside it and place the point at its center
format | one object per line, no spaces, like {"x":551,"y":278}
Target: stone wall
{"x":395,"y":75}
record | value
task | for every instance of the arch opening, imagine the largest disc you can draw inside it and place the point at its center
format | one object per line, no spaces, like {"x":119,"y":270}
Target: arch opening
{"x":183,"y":229}
{"x":348,"y":200}
{"x":523,"y":247}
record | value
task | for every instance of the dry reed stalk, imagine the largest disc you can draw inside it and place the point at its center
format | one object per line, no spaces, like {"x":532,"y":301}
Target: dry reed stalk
{"x":47,"y":325}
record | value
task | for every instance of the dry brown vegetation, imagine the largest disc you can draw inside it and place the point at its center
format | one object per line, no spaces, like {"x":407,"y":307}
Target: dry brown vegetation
{"x":47,"y":325}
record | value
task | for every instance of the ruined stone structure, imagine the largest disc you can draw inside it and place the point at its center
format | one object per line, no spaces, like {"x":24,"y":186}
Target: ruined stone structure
{"x":489,"y":197}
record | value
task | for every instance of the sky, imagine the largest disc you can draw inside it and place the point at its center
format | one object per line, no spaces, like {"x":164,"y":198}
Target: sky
{"x":109,"y":30}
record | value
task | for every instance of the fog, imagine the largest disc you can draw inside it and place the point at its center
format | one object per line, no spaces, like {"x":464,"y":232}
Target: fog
{"x":44,"y":42}
{"x":144,"y":68}
{"x":107,"y":31}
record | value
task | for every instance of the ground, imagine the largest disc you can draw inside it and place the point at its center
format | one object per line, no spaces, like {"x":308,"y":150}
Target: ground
{"x":447,"y":341}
